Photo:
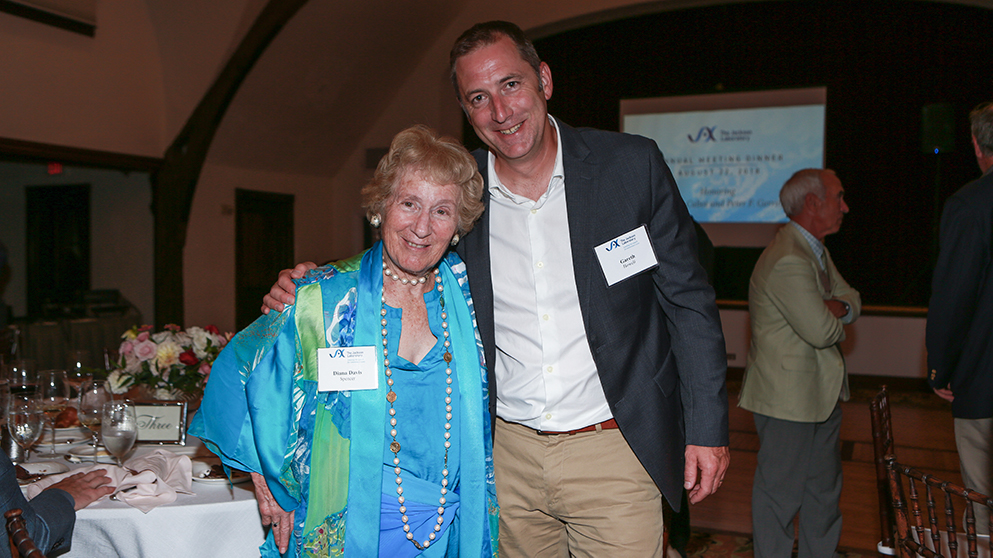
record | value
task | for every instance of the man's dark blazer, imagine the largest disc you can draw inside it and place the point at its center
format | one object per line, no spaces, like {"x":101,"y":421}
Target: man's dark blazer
{"x":960,"y":315}
{"x":49,"y":517}
{"x":656,"y":337}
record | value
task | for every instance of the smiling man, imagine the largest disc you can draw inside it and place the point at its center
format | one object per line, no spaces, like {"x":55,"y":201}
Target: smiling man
{"x":609,"y":396}
{"x":795,"y":375}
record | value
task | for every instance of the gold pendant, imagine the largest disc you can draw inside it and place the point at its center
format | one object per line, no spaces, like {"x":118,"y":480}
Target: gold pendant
{"x":448,"y":356}
{"x":395,"y":446}
{"x":391,"y":396}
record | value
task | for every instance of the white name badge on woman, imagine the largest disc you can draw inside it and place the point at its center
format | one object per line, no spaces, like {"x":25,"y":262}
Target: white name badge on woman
{"x":347,"y":368}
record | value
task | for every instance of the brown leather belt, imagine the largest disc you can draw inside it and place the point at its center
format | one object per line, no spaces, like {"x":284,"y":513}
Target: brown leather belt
{"x":605,"y":425}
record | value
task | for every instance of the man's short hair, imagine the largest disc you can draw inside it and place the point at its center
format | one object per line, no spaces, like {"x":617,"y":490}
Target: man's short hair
{"x":981,"y":121}
{"x":794,"y":192}
{"x":485,"y":34}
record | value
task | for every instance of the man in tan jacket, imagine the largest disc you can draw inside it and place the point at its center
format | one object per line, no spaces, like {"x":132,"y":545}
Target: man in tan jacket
{"x":795,"y":375}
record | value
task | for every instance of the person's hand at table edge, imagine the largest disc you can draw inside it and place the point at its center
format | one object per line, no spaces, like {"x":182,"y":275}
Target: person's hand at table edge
{"x":85,"y":488}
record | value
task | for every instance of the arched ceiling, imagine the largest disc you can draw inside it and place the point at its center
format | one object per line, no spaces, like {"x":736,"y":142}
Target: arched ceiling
{"x":322,"y":84}
{"x":313,"y":94}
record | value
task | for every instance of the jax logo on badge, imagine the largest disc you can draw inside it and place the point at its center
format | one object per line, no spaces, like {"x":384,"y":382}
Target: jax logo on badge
{"x":613,"y":244}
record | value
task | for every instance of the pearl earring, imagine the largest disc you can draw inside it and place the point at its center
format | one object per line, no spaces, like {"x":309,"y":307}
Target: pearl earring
{"x":455,"y":239}
{"x":375,"y":220}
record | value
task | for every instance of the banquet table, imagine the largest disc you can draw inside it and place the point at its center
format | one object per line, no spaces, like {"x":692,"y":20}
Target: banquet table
{"x":219,"y":520}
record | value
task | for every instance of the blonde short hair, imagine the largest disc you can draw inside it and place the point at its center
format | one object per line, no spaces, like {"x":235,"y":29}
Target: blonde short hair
{"x":437,"y":159}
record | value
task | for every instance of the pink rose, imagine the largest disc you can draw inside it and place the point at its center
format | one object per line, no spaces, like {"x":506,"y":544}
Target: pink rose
{"x":126,"y":347}
{"x":145,"y":350}
{"x":205,"y":368}
{"x":142,"y":337}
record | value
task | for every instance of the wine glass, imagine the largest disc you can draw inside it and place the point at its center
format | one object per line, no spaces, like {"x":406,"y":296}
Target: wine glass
{"x":92,"y":396}
{"x":53,"y":393}
{"x":78,"y":370}
{"x":119,"y":428}
{"x":22,"y":377}
{"x":25,"y":421}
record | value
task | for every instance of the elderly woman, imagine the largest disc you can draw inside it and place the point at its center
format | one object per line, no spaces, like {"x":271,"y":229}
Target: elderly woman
{"x":401,"y":467}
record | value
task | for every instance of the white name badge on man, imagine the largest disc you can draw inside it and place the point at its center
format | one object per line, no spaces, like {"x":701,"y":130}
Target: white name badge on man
{"x":347,"y":368}
{"x":626,"y":256}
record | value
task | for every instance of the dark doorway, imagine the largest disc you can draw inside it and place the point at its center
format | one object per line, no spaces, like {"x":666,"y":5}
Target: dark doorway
{"x":58,"y":247}
{"x":264,"y":246}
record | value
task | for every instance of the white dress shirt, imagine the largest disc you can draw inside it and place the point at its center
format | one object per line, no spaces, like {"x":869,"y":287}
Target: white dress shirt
{"x":545,"y":372}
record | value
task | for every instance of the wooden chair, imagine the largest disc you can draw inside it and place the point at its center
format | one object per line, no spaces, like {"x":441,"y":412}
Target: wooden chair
{"x":932,"y":539}
{"x":21,"y":545}
{"x":882,"y":445}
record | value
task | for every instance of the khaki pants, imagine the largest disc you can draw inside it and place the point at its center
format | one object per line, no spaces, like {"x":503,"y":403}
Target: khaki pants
{"x":584,"y":495}
{"x":974,"y":441}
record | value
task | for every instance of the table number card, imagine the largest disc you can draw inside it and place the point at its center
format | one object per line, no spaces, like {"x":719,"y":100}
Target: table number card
{"x":161,"y":423}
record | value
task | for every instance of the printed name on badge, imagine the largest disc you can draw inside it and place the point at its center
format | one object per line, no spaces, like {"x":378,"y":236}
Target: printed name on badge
{"x":347,"y":368}
{"x":627,"y":255}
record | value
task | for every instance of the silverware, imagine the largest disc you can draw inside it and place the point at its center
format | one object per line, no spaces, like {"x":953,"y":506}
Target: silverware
{"x":114,"y":495}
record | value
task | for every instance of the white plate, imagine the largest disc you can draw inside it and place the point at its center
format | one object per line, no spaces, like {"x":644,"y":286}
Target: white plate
{"x":45,"y":467}
{"x":72,"y":435}
{"x":202,"y":465}
{"x":84,"y":454}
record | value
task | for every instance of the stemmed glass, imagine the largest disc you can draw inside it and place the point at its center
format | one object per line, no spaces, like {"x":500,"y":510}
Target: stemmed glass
{"x":22,"y":377}
{"x":119,"y":428}
{"x":92,"y":396}
{"x":53,"y":393}
{"x":76,"y":372}
{"x":25,"y":421}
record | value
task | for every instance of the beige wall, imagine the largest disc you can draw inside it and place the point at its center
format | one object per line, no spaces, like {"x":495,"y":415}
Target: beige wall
{"x":131,"y":88}
{"x":120,"y":230}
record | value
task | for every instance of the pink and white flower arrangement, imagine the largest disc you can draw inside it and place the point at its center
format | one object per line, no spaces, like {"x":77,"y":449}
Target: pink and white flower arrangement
{"x":168,"y":363}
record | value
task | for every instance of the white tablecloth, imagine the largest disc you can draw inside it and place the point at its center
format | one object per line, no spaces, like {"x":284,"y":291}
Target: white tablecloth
{"x":219,"y":521}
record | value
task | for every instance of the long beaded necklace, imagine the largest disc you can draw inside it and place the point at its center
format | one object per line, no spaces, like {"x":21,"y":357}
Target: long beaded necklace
{"x":391,"y":397}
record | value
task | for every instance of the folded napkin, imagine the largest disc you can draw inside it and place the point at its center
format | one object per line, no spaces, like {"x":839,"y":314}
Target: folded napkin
{"x":161,"y":475}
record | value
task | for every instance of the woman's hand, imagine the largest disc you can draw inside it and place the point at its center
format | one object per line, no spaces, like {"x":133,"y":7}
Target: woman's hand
{"x":272,"y":514}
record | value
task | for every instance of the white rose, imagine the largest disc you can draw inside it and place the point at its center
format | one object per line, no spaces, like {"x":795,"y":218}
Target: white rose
{"x":117,"y":383}
{"x":200,"y":339}
{"x":162,"y":336}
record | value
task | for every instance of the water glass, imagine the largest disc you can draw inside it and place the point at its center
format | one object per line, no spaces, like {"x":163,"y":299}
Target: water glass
{"x":25,"y":421}
{"x":119,"y":428}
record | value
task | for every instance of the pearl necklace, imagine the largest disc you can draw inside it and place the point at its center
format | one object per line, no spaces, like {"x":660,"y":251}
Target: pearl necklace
{"x":391,"y":396}
{"x":392,"y":275}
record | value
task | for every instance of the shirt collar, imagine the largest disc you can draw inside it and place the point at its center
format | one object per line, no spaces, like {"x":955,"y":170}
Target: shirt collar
{"x":497,"y":188}
{"x":816,"y":245}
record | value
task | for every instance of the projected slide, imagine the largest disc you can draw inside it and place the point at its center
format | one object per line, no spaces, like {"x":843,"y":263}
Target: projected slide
{"x":730,"y":163}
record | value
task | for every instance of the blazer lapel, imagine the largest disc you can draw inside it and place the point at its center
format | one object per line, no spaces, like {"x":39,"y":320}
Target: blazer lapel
{"x":475,"y":251}
{"x":580,"y":197}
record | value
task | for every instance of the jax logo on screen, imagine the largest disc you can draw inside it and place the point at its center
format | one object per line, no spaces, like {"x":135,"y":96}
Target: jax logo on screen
{"x":710,"y":133}
{"x":706,"y":133}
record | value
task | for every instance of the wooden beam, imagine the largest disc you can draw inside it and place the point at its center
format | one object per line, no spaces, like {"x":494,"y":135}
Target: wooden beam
{"x":174,"y":184}
{"x":29,"y":151}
